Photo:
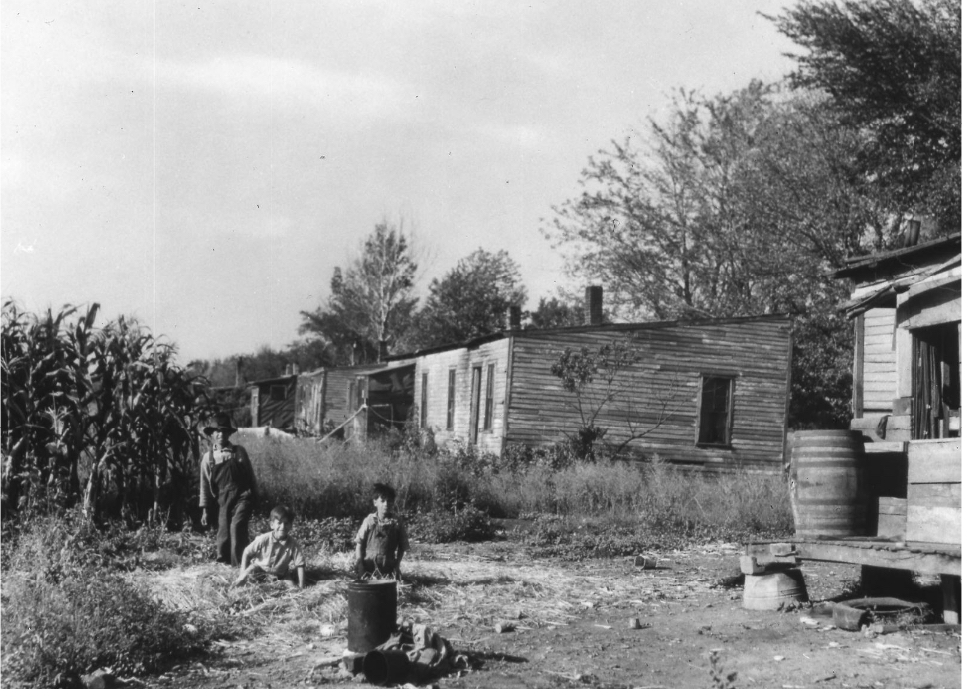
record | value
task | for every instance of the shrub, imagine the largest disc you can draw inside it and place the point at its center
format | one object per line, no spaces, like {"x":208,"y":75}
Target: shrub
{"x":93,"y":619}
{"x":465,"y":524}
{"x":67,"y":607}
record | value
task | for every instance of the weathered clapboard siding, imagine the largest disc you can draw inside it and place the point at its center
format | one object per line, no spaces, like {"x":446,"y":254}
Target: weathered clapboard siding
{"x":878,"y":374}
{"x":337,"y":407}
{"x":462,"y":361}
{"x":309,"y":406}
{"x":673,"y":358}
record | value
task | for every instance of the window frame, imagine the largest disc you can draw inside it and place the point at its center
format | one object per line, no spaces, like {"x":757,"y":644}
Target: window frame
{"x":489,"y":399}
{"x":452,"y":396}
{"x":424,"y":400}
{"x":702,"y":413}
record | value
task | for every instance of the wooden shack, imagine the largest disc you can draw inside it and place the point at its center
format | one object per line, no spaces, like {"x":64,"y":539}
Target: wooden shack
{"x":905,"y":304}
{"x":272,"y":402}
{"x":350,"y":400}
{"x":708,"y":393}
{"x":906,"y":307}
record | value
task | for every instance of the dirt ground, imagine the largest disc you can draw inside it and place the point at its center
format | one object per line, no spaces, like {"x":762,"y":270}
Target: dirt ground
{"x":572,"y":629}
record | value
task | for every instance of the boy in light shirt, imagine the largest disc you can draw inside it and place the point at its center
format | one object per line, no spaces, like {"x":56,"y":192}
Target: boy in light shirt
{"x":274,"y":553}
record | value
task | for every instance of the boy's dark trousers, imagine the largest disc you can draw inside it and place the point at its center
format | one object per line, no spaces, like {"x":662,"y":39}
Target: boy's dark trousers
{"x":234,"y":496}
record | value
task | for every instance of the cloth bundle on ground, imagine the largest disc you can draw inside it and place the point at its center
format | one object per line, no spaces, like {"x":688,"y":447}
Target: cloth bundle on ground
{"x":429,"y":653}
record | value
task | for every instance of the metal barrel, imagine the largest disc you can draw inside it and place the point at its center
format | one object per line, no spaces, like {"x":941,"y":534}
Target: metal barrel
{"x":371,"y":613}
{"x":769,"y":591}
{"x":831,"y":493}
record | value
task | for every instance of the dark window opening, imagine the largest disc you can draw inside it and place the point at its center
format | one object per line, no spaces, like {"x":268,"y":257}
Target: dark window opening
{"x":278,"y":393}
{"x":715,"y":417}
{"x":935,"y":382}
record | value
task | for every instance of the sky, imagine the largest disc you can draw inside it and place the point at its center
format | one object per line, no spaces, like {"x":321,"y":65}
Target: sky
{"x":204,"y":166}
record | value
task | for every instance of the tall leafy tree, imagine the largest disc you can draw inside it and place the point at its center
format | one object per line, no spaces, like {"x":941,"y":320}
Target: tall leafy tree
{"x":892,"y":69}
{"x":371,"y":301}
{"x":736,"y":205}
{"x":471,"y":300}
{"x":555,"y":313}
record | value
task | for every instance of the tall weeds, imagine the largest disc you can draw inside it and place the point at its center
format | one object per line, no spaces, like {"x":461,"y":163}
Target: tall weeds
{"x":334,"y":481}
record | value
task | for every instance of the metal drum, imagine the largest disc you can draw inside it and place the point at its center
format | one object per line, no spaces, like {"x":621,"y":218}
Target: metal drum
{"x":371,"y":613}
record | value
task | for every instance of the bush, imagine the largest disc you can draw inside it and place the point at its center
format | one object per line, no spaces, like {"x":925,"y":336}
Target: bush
{"x":93,"y":619}
{"x":466,"y":524}
{"x":67,"y":608}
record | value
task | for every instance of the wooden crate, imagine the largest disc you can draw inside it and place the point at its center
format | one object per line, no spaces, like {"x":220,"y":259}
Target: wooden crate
{"x":891,"y":518}
{"x":934,"y":510}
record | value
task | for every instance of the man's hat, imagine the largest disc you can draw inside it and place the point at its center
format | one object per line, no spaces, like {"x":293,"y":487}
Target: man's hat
{"x":221,"y":421}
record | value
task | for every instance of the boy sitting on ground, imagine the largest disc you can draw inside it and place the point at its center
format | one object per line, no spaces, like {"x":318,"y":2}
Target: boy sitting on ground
{"x":275,"y":553}
{"x":382,"y":539}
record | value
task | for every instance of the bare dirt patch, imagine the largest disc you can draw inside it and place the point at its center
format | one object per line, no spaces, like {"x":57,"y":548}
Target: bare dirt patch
{"x":571,"y":625}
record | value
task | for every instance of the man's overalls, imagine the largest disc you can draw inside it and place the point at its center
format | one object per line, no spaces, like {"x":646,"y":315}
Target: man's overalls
{"x":230,"y":482}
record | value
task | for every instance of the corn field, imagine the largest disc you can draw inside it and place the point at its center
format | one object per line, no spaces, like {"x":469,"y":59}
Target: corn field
{"x":101,"y":417}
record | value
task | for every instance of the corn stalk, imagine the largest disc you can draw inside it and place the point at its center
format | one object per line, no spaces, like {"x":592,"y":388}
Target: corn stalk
{"x":110,"y":404}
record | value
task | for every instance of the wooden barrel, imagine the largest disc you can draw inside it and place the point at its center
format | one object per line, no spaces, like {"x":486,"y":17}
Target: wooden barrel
{"x":829,"y":491}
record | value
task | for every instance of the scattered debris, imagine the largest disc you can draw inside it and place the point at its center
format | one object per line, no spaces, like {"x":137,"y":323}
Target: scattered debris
{"x":99,"y":679}
{"x":503,"y":627}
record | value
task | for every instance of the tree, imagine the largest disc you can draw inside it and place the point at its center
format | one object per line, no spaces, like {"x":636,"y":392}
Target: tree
{"x":596,"y":378}
{"x":737,"y":205}
{"x":370,"y":305}
{"x":470,"y":301}
{"x":891,"y":68}
{"x":554,"y":313}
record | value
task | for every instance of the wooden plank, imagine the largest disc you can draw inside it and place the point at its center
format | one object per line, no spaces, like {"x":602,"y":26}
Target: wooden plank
{"x":896,"y":506}
{"x":935,"y":461}
{"x":935,"y":494}
{"x":933,"y":524}
{"x":923,"y":558}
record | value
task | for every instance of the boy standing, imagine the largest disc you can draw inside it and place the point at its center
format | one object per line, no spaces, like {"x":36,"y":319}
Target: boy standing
{"x":382,"y":539}
{"x":274,"y":553}
{"x":227,"y":481}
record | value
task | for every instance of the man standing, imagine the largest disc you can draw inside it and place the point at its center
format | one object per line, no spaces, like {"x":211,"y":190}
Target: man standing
{"x":227,"y":480}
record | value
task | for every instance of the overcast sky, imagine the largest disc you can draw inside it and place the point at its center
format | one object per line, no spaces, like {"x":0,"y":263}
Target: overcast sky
{"x":205,"y":166}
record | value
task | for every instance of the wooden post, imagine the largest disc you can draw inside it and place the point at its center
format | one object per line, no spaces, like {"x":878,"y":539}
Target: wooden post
{"x":950,"y":598}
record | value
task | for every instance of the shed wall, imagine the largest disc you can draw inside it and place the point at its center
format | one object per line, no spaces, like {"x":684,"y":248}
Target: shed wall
{"x":664,"y":386}
{"x":462,"y":361}
{"x":878,"y":369}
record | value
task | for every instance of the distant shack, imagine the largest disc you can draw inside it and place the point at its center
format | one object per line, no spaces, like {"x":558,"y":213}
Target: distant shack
{"x":272,"y":402}
{"x":708,"y":393}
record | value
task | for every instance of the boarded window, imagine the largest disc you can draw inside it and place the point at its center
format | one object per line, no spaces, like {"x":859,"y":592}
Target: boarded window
{"x":278,"y":393}
{"x":715,"y":417}
{"x":489,"y":398}
{"x":424,"y":400}
{"x":451,"y":391}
